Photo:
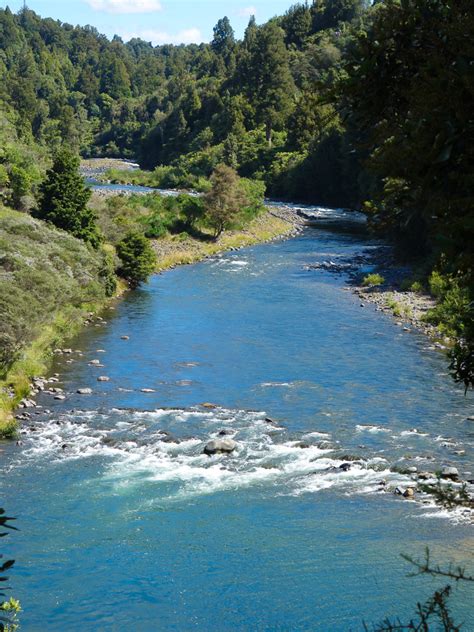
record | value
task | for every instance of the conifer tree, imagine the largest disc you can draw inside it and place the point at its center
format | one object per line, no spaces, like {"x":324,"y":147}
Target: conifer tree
{"x":63,"y":199}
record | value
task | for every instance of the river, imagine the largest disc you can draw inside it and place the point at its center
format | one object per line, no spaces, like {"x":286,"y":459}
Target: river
{"x":125,"y":524}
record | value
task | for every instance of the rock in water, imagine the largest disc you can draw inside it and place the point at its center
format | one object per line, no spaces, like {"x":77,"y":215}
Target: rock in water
{"x":220,"y":446}
{"x":450,"y":472}
{"x":103,"y":378}
{"x":84,"y":391}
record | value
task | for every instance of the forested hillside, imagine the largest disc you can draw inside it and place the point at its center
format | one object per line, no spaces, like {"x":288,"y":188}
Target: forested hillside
{"x":338,"y":102}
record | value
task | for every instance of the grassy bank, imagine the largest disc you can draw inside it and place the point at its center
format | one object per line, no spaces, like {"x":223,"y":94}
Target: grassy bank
{"x":49,"y":281}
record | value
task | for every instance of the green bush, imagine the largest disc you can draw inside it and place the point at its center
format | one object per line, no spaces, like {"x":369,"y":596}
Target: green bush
{"x":138,"y":260}
{"x":371,"y":280}
{"x":438,"y":284}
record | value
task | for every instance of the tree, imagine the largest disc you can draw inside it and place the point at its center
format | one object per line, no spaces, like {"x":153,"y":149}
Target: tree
{"x":328,"y":14}
{"x":223,"y":43}
{"x":297,"y":24}
{"x":224,"y":200}
{"x":138,"y":259}
{"x":270,"y":85}
{"x":63,"y":199}
{"x":413,"y":112}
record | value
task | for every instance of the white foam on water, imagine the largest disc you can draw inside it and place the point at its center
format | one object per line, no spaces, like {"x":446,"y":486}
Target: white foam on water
{"x":317,"y":435}
{"x":164,"y":448}
{"x":237,"y":262}
{"x":371,"y":428}
{"x":413,"y":432}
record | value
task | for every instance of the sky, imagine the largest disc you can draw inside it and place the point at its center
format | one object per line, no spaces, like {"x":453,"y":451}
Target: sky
{"x":158,"y":21}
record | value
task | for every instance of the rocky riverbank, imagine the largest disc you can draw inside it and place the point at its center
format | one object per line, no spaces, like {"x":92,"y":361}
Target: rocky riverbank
{"x":268,"y":226}
{"x":409,"y":308}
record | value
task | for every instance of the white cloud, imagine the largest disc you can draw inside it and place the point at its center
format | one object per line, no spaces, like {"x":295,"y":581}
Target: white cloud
{"x":155,"y":36}
{"x":125,"y":6}
{"x":247,"y":12}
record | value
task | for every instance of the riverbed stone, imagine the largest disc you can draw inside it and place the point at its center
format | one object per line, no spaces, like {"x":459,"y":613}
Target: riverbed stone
{"x":220,"y":446}
{"x":103,"y":378}
{"x":84,"y":391}
{"x":450,"y":472}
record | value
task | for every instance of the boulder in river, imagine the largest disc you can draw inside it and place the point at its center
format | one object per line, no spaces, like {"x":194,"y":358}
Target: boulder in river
{"x":220,"y":446}
{"x":103,"y":378}
{"x":450,"y":472}
{"x":84,"y":391}
{"x":208,"y":405}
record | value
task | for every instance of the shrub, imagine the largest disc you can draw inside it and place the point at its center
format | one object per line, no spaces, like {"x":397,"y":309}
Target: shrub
{"x":138,"y":259}
{"x":417,"y":287}
{"x":438,"y":284}
{"x":371,"y":280}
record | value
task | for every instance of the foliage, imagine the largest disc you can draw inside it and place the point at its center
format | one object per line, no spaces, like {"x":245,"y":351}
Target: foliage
{"x":435,"y":611}
{"x":371,"y":280}
{"x":224,"y":200}
{"x":42,"y":270}
{"x":138,"y":259}
{"x":63,"y":199}
{"x":408,"y":85}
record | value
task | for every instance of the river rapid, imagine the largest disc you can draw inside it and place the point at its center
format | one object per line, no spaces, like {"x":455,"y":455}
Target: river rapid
{"x":126,"y":524}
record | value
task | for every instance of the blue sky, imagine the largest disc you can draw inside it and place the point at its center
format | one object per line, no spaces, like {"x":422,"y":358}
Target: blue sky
{"x":159,"y":21}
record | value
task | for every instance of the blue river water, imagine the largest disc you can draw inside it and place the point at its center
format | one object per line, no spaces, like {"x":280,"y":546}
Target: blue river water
{"x":126,"y":524}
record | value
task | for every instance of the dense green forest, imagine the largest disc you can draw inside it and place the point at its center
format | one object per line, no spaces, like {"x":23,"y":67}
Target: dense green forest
{"x":337,"y":102}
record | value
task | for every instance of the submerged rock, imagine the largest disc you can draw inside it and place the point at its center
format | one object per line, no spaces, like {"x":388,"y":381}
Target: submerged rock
{"x":220,"y":446}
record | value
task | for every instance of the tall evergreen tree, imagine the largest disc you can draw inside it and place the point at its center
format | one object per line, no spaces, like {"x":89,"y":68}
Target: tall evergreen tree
{"x":63,"y":199}
{"x":272,"y":85}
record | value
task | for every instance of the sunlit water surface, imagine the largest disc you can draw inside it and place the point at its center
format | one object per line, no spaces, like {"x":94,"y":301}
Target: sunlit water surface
{"x":125,"y":524}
